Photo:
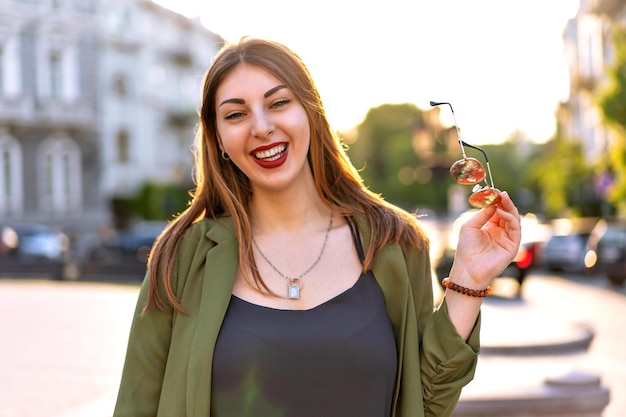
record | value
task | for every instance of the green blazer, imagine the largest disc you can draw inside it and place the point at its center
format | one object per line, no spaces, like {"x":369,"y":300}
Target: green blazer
{"x":167,"y":371}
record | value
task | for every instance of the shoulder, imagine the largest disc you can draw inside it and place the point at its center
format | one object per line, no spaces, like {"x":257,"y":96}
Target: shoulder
{"x":204,"y":242}
{"x":211,"y":229}
{"x":201,"y":236}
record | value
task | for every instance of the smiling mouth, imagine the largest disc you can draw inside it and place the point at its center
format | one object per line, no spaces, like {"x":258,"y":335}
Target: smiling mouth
{"x":272,"y":154}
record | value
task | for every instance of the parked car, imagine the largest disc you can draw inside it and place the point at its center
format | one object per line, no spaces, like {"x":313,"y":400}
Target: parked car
{"x":566,"y":248}
{"x":533,"y":235}
{"x":32,"y":249}
{"x":125,"y":255}
{"x":607,"y":253}
{"x":565,"y":252}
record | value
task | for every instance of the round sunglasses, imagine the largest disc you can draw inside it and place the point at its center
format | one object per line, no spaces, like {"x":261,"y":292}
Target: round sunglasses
{"x":469,"y":171}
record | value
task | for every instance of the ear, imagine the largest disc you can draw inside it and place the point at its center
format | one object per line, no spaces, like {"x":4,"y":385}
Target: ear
{"x":219,"y":142}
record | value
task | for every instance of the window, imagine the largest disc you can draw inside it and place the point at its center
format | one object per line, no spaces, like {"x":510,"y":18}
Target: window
{"x":120,"y":86}
{"x":59,"y":175}
{"x":2,"y":76}
{"x":123,"y":146}
{"x":10,"y":72}
{"x":10,"y":175}
{"x":56,"y":75}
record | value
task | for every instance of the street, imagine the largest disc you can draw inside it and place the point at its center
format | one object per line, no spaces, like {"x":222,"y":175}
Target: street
{"x":63,"y":343}
{"x":62,"y":347}
{"x":551,"y":309}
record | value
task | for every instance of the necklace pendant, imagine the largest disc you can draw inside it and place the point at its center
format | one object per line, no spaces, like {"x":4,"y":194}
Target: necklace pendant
{"x":294,"y":291}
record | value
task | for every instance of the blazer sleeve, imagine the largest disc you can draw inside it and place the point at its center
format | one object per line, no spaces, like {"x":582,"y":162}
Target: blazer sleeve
{"x":447,"y":362}
{"x":146,"y":357}
{"x":149,"y":344}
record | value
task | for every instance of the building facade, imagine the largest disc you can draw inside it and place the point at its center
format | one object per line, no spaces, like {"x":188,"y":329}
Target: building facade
{"x":48,"y":112}
{"x":97,"y":97}
{"x":587,"y":43}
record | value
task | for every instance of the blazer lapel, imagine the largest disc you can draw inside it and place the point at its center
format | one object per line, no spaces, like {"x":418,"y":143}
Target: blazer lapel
{"x":391,"y":274}
{"x":219,"y":276}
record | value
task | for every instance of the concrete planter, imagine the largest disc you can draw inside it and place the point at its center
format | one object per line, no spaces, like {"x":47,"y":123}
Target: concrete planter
{"x":572,"y":395}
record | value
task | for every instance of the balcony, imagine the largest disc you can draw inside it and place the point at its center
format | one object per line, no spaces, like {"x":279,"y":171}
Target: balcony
{"x":580,"y":82}
{"x":26,"y":109}
{"x":16,"y":109}
{"x":81,"y":113}
{"x":610,"y":8}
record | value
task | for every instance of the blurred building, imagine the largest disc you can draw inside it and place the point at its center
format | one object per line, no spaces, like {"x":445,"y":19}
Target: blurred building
{"x":96,"y":98}
{"x":48,"y":111}
{"x":152,"y":64}
{"x":588,"y":50}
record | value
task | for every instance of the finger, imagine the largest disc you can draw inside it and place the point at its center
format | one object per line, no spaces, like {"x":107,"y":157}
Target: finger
{"x":507,"y":211}
{"x":507,"y":204}
{"x":482,"y":217}
{"x":505,"y":216}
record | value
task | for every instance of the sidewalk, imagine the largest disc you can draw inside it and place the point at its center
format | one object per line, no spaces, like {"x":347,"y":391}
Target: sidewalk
{"x":558,"y":331}
{"x":64,"y":344}
{"x":523,"y":345}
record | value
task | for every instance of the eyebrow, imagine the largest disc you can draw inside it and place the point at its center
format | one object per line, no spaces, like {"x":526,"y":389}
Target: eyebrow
{"x":273,"y":90}
{"x":267,"y":94}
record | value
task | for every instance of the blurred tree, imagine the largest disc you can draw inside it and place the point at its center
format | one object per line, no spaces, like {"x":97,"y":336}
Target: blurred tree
{"x":405,"y":154}
{"x":564,"y":181}
{"x":383,"y":153}
{"x":159,"y":201}
{"x":383,"y":148}
{"x":509,"y":164}
{"x":612,"y":101}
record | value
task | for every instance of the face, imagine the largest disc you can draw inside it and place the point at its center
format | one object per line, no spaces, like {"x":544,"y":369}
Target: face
{"x":263,"y":128}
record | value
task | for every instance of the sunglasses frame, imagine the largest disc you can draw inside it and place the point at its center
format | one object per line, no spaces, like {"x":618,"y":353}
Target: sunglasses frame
{"x":463,"y":144}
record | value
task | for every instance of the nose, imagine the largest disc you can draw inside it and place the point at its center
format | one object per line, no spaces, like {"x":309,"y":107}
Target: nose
{"x":262,"y":125}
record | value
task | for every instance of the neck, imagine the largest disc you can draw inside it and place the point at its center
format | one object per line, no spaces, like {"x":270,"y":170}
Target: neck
{"x":291,"y":209}
{"x":291,"y":214}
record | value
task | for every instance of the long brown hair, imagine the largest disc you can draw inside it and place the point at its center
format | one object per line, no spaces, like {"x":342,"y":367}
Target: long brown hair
{"x":223,"y":190}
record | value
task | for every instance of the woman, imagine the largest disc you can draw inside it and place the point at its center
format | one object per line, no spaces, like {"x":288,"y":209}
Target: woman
{"x":289,"y":289}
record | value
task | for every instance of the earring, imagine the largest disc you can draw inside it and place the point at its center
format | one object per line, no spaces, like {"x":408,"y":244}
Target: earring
{"x":225,"y":156}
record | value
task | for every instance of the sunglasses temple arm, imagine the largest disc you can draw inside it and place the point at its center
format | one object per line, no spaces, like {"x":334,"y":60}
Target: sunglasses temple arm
{"x":458,"y":132}
{"x":463,"y":143}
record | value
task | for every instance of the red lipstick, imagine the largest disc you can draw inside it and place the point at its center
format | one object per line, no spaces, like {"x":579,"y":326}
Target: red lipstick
{"x":270,"y":156}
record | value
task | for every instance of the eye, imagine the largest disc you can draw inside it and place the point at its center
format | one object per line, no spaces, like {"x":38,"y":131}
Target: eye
{"x":280,"y":103}
{"x":234,"y":115}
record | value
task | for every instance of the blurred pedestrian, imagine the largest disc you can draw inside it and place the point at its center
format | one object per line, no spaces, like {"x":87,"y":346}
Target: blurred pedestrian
{"x":287,"y":288}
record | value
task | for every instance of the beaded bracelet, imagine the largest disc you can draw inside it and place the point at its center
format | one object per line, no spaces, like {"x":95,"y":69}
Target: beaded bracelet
{"x":467,"y":291}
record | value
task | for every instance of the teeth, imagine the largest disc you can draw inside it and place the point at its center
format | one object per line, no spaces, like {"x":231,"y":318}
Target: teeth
{"x":271,"y":154}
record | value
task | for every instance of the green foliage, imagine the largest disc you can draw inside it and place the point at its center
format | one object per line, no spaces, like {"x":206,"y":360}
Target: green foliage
{"x":509,"y":162}
{"x":618,"y":190}
{"x":384,"y":147}
{"x":612,"y":101}
{"x":553,"y":179}
{"x":384,"y":132}
{"x":561,"y":175}
{"x":159,"y":201}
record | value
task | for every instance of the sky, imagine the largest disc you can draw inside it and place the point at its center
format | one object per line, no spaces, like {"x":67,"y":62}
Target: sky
{"x":500,"y":63}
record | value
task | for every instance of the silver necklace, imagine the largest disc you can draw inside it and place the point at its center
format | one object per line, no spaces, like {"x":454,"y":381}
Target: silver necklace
{"x":295,"y":284}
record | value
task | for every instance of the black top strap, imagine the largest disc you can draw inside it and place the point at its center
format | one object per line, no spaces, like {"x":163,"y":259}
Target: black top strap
{"x":356,"y":236}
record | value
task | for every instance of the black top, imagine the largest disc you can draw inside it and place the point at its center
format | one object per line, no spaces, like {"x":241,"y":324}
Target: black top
{"x":337,"y":359}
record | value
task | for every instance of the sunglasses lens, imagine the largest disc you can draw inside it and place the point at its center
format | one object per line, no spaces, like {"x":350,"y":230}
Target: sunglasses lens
{"x":485,"y":197}
{"x":467,"y":171}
